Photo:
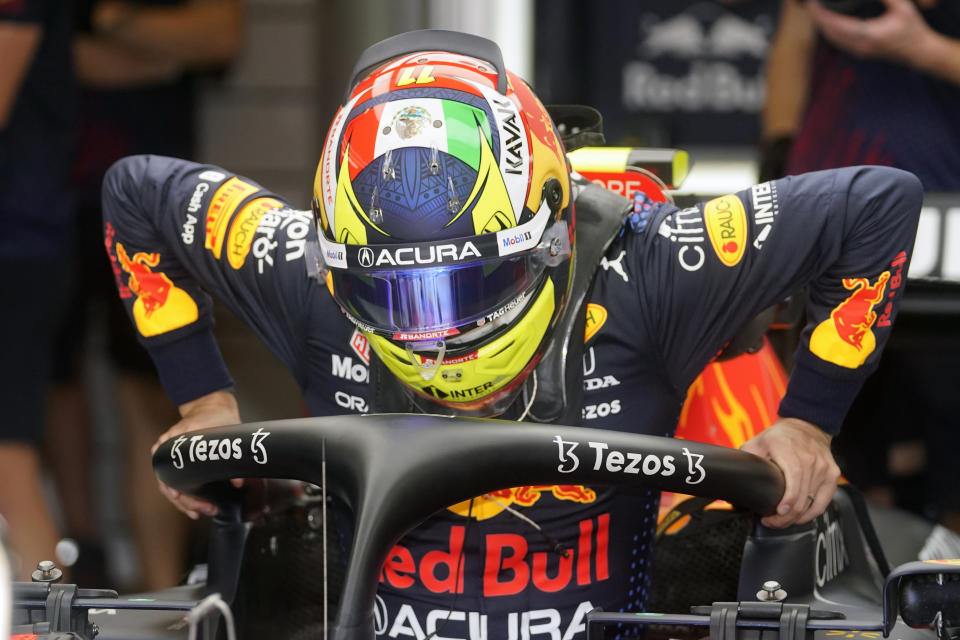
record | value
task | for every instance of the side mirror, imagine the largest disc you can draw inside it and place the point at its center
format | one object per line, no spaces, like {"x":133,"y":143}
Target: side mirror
{"x":926,"y":594}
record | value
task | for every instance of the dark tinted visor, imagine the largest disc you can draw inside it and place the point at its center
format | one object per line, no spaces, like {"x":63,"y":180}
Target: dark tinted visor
{"x":421,"y":300}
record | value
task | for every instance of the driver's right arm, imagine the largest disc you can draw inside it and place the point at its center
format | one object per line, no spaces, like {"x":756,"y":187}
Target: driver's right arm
{"x":176,"y":230}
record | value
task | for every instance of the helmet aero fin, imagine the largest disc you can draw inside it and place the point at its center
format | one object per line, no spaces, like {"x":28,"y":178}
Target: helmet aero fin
{"x":429,"y":40}
{"x":444,"y":219}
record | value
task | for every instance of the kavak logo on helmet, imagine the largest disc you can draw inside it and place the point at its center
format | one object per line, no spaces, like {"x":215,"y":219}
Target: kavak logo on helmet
{"x":513,"y":144}
{"x":726,"y":223}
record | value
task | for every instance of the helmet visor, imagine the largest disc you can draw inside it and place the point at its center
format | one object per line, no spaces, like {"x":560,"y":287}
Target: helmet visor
{"x":417,"y":301}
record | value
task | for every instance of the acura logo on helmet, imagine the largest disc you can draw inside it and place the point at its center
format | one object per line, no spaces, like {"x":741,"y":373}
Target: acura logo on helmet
{"x":405,"y":256}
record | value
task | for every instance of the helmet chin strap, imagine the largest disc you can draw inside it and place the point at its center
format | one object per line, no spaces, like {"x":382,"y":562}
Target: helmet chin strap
{"x":427,"y":369}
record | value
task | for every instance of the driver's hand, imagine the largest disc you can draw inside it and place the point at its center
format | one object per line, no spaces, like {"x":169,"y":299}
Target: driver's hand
{"x":212,"y":410}
{"x":802,"y":451}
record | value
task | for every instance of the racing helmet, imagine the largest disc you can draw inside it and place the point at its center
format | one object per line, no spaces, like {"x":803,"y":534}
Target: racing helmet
{"x":445,"y":218}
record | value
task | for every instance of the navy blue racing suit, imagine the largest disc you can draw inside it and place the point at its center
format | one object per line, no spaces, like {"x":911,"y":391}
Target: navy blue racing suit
{"x":669,"y":293}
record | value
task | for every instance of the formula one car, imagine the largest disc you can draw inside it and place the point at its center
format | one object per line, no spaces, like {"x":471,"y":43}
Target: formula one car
{"x":824,"y":579}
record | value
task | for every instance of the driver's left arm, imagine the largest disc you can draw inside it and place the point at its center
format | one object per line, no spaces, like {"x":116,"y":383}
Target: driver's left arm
{"x":845,"y":233}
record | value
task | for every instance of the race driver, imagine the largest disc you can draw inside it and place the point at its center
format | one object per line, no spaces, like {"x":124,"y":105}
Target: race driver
{"x":451,"y":264}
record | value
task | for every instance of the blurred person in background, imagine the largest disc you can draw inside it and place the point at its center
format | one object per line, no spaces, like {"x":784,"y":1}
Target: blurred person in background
{"x":137,"y":64}
{"x":845,"y":90}
{"x":36,"y":109}
{"x":880,"y":84}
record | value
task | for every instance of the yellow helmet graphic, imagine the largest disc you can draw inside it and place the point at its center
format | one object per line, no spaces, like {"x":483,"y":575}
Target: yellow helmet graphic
{"x":443,"y":210}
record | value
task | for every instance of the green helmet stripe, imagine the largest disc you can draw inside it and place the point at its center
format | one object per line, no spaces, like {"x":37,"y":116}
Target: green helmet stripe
{"x":461,"y":122}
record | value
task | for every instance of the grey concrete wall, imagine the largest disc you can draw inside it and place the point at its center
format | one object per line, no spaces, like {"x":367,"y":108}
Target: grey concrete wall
{"x":260,"y":119}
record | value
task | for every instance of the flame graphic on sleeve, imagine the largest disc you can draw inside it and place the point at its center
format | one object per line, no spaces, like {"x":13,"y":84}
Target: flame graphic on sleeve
{"x":846,"y":337}
{"x":491,"y":504}
{"x":160,"y":305}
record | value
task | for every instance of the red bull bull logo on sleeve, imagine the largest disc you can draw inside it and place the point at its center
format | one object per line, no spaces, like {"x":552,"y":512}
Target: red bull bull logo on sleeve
{"x":846,"y":338}
{"x":160,"y":305}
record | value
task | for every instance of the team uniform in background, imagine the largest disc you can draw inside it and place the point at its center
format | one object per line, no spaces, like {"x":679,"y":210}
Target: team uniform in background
{"x":36,"y":212}
{"x":854,"y":118}
{"x":155,"y":117}
{"x":671,"y":290}
{"x":37,"y":142}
